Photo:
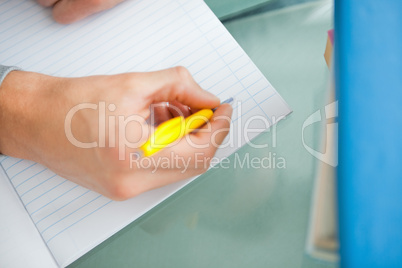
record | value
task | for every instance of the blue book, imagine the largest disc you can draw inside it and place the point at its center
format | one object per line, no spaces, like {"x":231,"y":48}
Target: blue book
{"x":368,"y":51}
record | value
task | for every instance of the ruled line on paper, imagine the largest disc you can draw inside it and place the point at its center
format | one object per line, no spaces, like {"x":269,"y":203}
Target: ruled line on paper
{"x":31,"y":177}
{"x":51,"y":201}
{"x":66,"y":43}
{"x":63,"y":206}
{"x":71,"y":213}
{"x":92,"y":212}
{"x":124,"y":31}
{"x":39,"y":184}
{"x":19,"y":164}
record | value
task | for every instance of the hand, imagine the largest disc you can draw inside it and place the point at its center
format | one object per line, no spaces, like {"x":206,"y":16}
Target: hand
{"x":69,"y":11}
{"x":38,"y":112}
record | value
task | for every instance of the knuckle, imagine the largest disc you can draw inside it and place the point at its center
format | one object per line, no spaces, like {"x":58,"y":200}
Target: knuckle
{"x":182,"y":73}
{"x":182,"y":79}
{"x":118,"y":189}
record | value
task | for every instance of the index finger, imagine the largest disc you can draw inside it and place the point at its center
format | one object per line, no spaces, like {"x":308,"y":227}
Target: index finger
{"x":204,"y":142}
{"x":176,"y":84}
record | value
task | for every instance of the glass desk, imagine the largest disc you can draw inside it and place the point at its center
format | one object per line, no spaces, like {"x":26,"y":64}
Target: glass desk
{"x":246,"y":217}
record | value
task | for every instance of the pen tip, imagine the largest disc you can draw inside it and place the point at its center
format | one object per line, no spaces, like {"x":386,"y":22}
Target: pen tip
{"x":230,"y":100}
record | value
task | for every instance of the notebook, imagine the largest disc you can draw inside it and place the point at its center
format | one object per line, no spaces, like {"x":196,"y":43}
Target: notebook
{"x":322,"y":238}
{"x":52,"y":221}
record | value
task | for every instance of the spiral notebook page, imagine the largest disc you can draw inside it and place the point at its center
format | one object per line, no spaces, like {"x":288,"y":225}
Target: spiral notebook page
{"x":139,"y":35}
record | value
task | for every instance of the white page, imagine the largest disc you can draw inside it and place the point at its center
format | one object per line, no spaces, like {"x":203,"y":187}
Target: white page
{"x":20,"y":242}
{"x":140,"y":35}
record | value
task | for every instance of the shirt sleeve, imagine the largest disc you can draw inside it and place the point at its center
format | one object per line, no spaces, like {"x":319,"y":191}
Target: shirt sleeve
{"x":5,"y":70}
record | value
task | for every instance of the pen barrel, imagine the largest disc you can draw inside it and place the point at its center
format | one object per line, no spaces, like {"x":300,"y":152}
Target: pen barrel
{"x":174,"y":129}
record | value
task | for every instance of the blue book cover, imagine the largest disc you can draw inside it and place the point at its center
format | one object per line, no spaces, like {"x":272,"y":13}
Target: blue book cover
{"x":368,"y":51}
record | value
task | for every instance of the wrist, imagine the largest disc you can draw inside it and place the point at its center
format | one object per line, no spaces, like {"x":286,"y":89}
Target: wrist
{"x":19,"y":112}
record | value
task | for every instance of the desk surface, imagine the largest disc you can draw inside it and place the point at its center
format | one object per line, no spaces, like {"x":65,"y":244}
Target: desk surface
{"x":246,"y":217}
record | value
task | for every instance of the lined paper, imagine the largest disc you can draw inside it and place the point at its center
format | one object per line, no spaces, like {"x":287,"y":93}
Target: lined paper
{"x":135,"y":36}
{"x":20,"y":242}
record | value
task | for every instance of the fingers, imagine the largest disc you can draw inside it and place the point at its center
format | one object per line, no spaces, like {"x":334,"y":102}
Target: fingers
{"x":177,"y":84}
{"x":160,"y":113}
{"x":178,"y":109}
{"x":217,"y":131}
{"x":181,"y":161}
{"x":164,"y":111}
{"x":206,"y":140}
{"x":69,"y":11}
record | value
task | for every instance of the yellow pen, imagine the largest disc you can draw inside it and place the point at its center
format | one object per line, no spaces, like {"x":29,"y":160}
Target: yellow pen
{"x":176,"y":128}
